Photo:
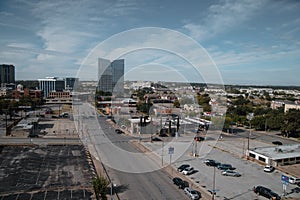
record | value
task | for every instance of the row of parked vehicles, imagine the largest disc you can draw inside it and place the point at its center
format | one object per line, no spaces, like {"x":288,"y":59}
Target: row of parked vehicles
{"x":186,"y":170}
{"x":193,"y":194}
{"x":227,"y":169}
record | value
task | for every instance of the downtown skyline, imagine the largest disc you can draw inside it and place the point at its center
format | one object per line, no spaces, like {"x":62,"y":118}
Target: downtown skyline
{"x":251,"y":42}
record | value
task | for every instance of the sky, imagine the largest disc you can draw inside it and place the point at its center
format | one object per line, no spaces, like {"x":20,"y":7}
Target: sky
{"x":246,"y":42}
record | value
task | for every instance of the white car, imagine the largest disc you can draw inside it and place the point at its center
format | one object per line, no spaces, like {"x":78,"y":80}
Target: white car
{"x":193,"y":194}
{"x":294,"y":180}
{"x":269,"y":168}
{"x":188,"y":170}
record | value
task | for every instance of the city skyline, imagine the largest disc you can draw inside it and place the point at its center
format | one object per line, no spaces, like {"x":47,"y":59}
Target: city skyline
{"x":251,"y":42}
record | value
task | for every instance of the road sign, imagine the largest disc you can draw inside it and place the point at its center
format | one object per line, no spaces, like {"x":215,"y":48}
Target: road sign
{"x":285,"y":179}
{"x":171,"y":150}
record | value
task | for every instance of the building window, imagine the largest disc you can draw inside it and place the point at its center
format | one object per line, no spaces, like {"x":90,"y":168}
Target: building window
{"x":261,"y":159}
{"x":252,"y":155}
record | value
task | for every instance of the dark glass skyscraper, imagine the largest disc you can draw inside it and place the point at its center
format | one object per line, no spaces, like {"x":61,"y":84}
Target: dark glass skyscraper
{"x":7,"y":74}
{"x":111,"y":76}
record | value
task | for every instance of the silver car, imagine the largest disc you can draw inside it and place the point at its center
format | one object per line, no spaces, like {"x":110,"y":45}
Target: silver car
{"x":231,"y":173}
{"x":193,"y":194}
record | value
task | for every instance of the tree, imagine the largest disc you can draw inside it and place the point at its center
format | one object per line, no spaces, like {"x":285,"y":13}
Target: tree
{"x":291,"y":124}
{"x":176,"y":104}
{"x":258,"y":122}
{"x":100,"y":185}
{"x":143,"y":107}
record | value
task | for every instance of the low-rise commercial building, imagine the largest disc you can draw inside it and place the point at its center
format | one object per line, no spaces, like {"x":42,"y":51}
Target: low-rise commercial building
{"x":277,"y":155}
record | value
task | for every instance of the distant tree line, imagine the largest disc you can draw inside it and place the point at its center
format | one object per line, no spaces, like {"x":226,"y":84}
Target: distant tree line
{"x":265,"y":118}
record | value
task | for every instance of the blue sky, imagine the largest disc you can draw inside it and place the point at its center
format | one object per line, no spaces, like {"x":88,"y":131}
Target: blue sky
{"x":251,"y":42}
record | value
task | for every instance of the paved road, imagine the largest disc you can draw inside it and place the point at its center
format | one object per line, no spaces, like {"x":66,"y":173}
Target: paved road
{"x":133,"y":173}
{"x":267,"y":137}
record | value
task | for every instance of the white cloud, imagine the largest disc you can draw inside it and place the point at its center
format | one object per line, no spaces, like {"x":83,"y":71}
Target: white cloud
{"x":222,"y":17}
{"x":163,"y":46}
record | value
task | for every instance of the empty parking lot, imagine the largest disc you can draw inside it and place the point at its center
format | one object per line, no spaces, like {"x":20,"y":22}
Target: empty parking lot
{"x":45,"y":172}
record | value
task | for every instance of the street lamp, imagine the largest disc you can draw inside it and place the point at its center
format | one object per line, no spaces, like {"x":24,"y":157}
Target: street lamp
{"x":249,"y":117}
{"x":111,"y":190}
{"x":214,"y":184}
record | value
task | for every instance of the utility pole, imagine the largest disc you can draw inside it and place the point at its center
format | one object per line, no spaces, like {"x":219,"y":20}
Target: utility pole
{"x":249,"y":117}
{"x":6,"y":123}
{"x":214,"y":184}
{"x":162,"y":153}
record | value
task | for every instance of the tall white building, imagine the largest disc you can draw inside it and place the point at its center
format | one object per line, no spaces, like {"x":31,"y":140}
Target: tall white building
{"x":111,"y":76}
{"x":51,"y":84}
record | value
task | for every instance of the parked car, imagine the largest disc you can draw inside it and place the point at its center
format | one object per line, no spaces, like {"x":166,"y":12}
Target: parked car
{"x":188,"y":170}
{"x":277,"y":143}
{"x":294,"y":180}
{"x":231,"y":173}
{"x":193,"y":194}
{"x":199,"y":138}
{"x":266,"y":192}
{"x":119,"y":131}
{"x":177,"y":181}
{"x":156,"y":139}
{"x":33,"y":136}
{"x":212,"y":163}
{"x":269,"y":168}
{"x":225,"y":167}
{"x":182,"y":167}
{"x":64,"y":115}
{"x":180,"y":183}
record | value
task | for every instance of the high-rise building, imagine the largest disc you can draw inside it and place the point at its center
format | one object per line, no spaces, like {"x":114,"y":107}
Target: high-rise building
{"x":7,"y":74}
{"x":51,"y":84}
{"x":71,"y":83}
{"x":111,"y":76}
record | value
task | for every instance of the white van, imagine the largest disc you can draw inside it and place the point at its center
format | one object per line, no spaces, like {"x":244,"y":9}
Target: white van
{"x":294,"y":180}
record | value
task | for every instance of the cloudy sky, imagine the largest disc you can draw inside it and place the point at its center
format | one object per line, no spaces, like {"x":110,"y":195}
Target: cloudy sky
{"x":251,"y":42}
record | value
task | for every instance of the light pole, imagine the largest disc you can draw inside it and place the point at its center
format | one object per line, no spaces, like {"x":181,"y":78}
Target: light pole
{"x":266,"y":124}
{"x":162,"y":153}
{"x":214,"y":184}
{"x":249,"y":117}
{"x":111,"y":190}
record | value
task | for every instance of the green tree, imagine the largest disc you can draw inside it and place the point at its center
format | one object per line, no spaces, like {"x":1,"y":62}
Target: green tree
{"x":258,"y":122}
{"x":291,"y":124}
{"x":100,"y":185}
{"x":176,"y":104}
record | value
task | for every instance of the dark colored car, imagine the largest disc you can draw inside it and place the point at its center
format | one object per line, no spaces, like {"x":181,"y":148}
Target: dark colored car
{"x":277,"y":143}
{"x":156,"y":139}
{"x":199,"y":138}
{"x":180,"y":183}
{"x":266,"y":192}
{"x":212,"y":163}
{"x":33,"y":136}
{"x":182,"y":167}
{"x":119,"y":131}
{"x":225,"y":167}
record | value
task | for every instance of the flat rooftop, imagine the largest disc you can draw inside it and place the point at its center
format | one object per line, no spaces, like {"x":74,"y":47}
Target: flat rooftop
{"x":45,"y":172}
{"x":279,"y":152}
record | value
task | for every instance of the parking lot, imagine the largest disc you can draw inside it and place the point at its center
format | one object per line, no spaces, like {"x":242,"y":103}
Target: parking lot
{"x":57,"y":127}
{"x":45,"y":172}
{"x":228,"y":151}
